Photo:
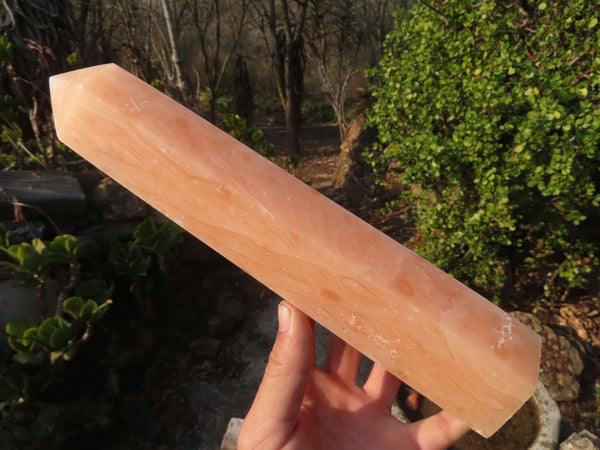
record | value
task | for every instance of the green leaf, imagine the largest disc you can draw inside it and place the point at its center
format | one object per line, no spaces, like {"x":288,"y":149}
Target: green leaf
{"x":38,"y":245}
{"x":26,"y":255}
{"x":129,"y":260}
{"x":24,"y":357}
{"x":101,"y":311}
{"x":95,"y":289}
{"x":21,"y":333}
{"x":88,"y":310}
{"x":18,"y":326}
{"x":63,"y":250}
{"x":60,"y":338}
{"x":29,"y":338}
{"x":12,"y":385}
{"x":6,"y":51}
{"x":156,"y":236}
{"x":5,"y":238}
{"x":74,"y":60}
{"x":49,"y":326}
{"x":73,"y":306}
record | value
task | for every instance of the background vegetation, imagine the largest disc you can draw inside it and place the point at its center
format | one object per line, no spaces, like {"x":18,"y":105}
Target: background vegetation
{"x":199,"y":51}
{"x":491,"y":110}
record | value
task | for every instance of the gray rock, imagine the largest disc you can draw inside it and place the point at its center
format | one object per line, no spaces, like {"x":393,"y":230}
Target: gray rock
{"x":561,"y":362}
{"x":17,"y":301}
{"x":398,"y":413}
{"x":24,"y":233}
{"x":57,"y":194}
{"x":216,"y":399}
{"x":115,"y":202}
{"x":231,"y":434}
{"x":230,"y":312}
{"x":584,"y":440}
{"x":549,"y":420}
{"x":563,"y":384}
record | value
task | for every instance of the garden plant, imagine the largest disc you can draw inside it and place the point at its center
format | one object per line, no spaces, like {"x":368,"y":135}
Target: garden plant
{"x":491,"y":112}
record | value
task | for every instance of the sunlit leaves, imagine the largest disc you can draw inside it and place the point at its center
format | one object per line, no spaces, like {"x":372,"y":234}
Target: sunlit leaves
{"x":492,"y":114}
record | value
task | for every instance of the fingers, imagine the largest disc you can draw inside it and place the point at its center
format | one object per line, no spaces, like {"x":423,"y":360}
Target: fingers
{"x":382,"y":385}
{"x":279,"y":397}
{"x":342,"y":360}
{"x":438,"y":431}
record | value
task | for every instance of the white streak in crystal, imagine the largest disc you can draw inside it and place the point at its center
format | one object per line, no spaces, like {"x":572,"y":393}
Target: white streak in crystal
{"x":379,"y":340}
{"x":135,"y":107}
{"x":506,"y":332}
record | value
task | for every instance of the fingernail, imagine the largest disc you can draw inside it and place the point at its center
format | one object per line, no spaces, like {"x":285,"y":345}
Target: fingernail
{"x":285,"y":318}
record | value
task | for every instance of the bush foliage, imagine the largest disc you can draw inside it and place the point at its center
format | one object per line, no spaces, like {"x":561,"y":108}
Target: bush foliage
{"x":237,"y":127}
{"x":492,"y":111}
{"x":67,"y":374}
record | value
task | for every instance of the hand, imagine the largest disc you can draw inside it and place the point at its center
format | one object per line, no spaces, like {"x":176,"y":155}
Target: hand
{"x":299,"y":406}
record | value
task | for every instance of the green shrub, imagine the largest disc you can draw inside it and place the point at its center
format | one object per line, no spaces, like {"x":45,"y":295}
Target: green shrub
{"x":62,"y":386}
{"x":492,"y":112}
{"x":16,"y":152}
{"x":74,"y":60}
{"x":317,"y":111}
{"x":159,"y":85}
{"x":223,"y":100}
{"x":237,"y":127}
{"x":267,"y":102}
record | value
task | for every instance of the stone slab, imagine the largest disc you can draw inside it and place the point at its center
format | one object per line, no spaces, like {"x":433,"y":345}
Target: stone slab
{"x":57,"y":194}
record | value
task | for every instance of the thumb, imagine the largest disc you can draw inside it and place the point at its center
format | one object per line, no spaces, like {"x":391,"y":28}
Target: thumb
{"x":275,"y":409}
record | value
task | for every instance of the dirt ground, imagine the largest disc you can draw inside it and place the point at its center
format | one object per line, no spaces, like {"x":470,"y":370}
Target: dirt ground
{"x":170,"y":408}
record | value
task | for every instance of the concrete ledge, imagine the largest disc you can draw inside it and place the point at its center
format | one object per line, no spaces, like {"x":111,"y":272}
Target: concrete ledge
{"x":549,"y":420}
{"x":57,"y":194}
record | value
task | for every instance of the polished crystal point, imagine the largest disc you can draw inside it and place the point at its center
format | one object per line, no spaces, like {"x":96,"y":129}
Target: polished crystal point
{"x":432,"y":332}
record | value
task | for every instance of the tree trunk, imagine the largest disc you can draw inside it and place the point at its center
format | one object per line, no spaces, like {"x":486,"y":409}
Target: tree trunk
{"x":212,"y":101}
{"x":243,"y":101}
{"x":180,"y":84}
{"x":351,"y":169}
{"x":216,"y":58}
{"x":294,"y":91}
{"x":282,"y":24}
{"x":293,"y":104}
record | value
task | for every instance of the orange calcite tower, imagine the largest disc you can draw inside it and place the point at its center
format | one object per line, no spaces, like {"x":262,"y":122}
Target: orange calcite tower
{"x":434,"y":333}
